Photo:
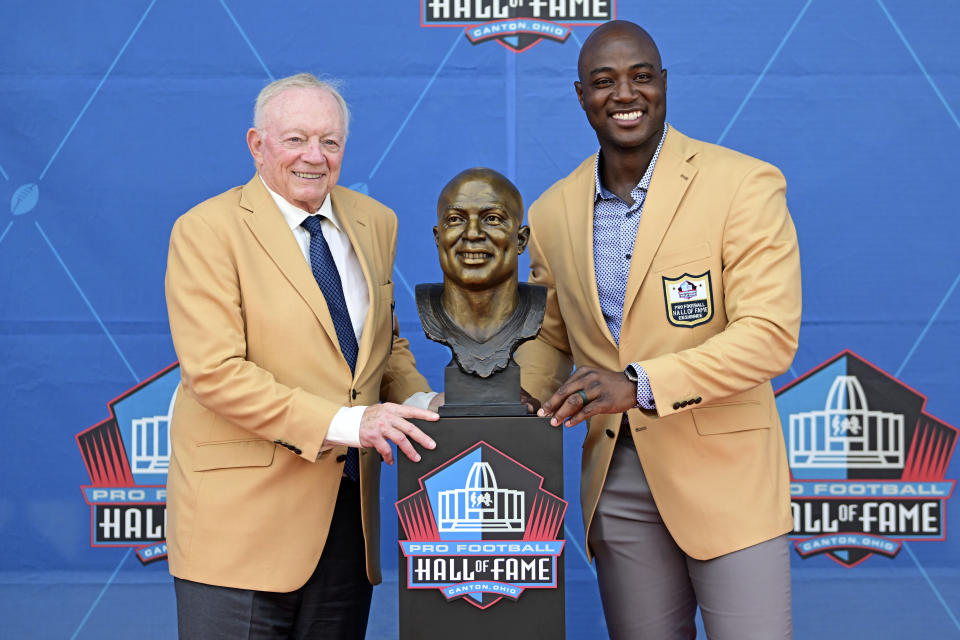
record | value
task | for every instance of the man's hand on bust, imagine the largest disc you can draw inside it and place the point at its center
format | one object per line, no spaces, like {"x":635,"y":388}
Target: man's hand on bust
{"x":384,"y":423}
{"x":605,"y":391}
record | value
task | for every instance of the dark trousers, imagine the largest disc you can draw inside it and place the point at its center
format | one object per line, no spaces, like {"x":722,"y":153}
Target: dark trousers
{"x":334,"y":604}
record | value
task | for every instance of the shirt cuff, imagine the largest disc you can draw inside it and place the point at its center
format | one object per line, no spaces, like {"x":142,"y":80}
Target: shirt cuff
{"x":644,"y":392}
{"x":345,"y":427}
{"x":421,"y":399}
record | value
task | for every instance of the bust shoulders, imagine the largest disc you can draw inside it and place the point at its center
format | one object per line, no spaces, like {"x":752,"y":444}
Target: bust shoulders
{"x":482,"y":358}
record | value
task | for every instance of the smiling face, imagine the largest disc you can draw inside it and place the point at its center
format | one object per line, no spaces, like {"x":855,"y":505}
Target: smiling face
{"x":622,"y":87}
{"x":299,"y":149}
{"x":479,"y":231}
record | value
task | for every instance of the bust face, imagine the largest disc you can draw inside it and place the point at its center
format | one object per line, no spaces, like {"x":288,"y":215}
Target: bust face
{"x":479,"y":232}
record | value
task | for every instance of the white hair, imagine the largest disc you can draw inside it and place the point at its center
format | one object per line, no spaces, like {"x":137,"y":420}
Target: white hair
{"x":303,"y":81}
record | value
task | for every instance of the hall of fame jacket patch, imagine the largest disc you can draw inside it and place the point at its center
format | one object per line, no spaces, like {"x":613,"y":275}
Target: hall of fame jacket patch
{"x":688,"y":299}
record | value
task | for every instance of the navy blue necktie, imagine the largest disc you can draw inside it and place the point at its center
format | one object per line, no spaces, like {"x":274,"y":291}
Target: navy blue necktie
{"x":326,"y":274}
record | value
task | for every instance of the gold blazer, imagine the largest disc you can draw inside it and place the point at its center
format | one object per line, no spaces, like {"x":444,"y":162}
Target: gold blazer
{"x":712,"y":313}
{"x":250,"y":495}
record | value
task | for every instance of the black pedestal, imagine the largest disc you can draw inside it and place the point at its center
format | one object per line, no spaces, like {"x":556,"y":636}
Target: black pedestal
{"x":481,"y":531}
{"x":470,"y":395}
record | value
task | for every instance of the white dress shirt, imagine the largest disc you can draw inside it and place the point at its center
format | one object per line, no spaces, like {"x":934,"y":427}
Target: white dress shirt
{"x":345,"y":426}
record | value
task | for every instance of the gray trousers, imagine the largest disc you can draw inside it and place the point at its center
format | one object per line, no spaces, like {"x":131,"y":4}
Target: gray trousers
{"x":650,"y":588}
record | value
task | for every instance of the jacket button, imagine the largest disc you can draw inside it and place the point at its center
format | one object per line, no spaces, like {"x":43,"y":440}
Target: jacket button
{"x":697,"y":400}
{"x":354,"y":393}
{"x":341,"y":457}
{"x":684,"y":403}
{"x":278,"y":442}
{"x":297,"y":451}
{"x":676,"y":405}
{"x":611,"y":433}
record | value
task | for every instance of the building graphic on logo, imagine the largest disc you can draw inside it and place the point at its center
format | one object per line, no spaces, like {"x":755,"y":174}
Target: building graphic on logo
{"x":496,"y":531}
{"x":846,"y":432}
{"x":127,"y":457}
{"x":150,"y":441}
{"x":516,"y":24}
{"x":686,"y":290}
{"x":480,"y":506}
{"x":867,"y":462}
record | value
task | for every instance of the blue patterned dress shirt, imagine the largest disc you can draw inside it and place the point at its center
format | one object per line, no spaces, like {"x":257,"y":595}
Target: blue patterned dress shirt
{"x":615,"y":226}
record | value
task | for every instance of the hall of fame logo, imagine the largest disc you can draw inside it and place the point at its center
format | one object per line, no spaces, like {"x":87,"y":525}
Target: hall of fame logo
{"x":481,"y":527}
{"x":688,"y":299}
{"x":516,"y":24}
{"x":867,"y":462}
{"x":127,"y":457}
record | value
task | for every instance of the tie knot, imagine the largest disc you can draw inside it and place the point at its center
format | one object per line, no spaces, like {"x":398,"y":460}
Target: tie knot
{"x":312,"y":224}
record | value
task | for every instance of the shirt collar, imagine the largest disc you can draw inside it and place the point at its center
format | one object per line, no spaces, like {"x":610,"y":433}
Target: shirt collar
{"x":601,"y":191}
{"x":295,"y":215}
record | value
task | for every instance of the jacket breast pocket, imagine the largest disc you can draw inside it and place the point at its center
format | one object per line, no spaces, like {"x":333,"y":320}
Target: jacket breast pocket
{"x":729,"y":418}
{"x":387,"y":307}
{"x":676,"y":260}
{"x":386,"y":293}
{"x":688,"y":285}
{"x":232,"y":454}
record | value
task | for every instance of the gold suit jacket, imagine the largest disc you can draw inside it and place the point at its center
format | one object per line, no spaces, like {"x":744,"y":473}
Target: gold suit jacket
{"x":714,"y":222}
{"x":250,"y":494}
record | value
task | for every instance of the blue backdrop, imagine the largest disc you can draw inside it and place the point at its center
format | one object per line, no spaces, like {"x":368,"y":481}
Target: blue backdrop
{"x":116,"y":117}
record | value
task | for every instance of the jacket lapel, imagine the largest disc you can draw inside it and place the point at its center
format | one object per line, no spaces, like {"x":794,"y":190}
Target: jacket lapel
{"x":671,"y":177}
{"x":582,"y":192}
{"x":271,"y":231}
{"x":353,"y":217}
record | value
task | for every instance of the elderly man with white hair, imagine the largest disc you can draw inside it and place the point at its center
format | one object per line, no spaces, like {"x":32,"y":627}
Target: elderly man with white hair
{"x":280,"y":297}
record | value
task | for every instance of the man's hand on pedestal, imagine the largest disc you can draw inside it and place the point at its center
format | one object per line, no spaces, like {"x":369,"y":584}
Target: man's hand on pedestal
{"x":588,"y":392}
{"x":533,"y":405}
{"x":384,"y":423}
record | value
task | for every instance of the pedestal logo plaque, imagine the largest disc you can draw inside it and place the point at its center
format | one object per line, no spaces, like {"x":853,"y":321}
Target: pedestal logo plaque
{"x":480,"y":528}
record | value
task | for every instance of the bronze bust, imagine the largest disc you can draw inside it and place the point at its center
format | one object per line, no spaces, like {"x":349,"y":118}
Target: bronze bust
{"x":480,"y":310}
